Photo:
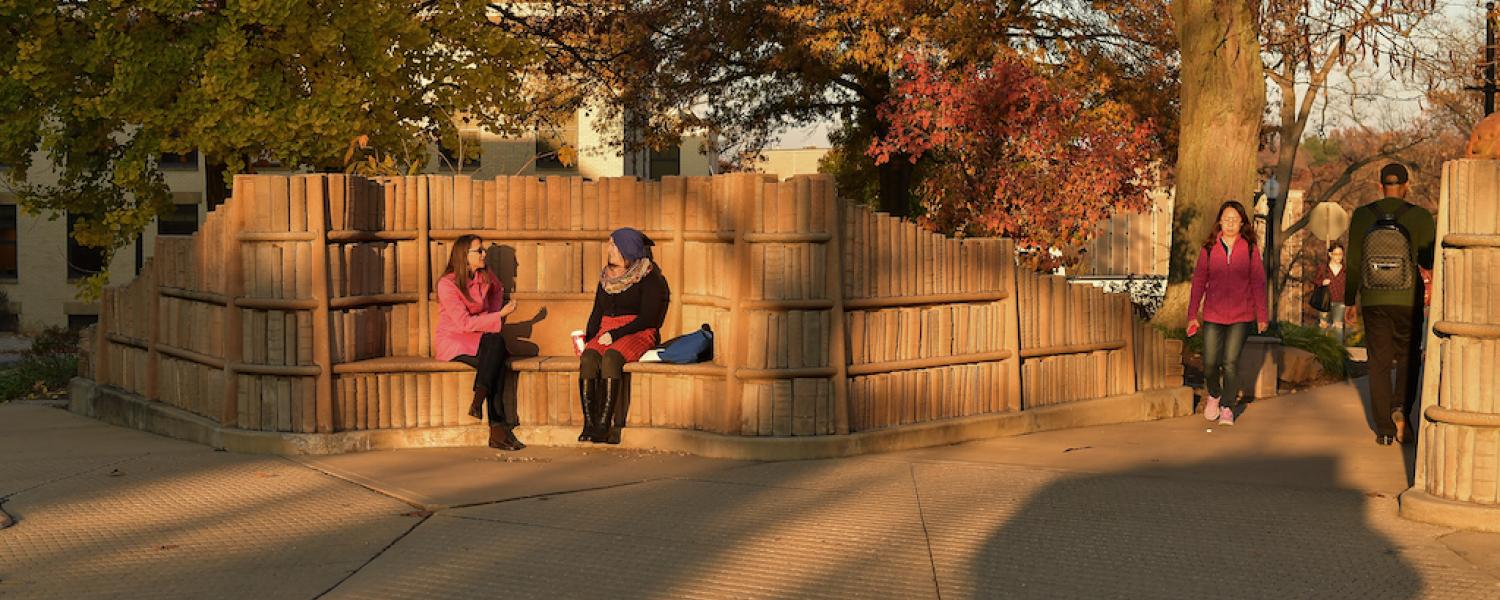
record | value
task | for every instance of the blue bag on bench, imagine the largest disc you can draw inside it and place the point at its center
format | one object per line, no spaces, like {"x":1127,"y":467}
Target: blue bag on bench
{"x":697,"y":346}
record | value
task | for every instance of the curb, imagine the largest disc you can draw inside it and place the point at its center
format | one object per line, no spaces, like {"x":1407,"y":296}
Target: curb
{"x":1418,"y":505}
{"x":119,"y":407}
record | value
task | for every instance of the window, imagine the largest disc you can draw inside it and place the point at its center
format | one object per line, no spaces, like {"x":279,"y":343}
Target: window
{"x":83,"y":261}
{"x":182,"y":220}
{"x":78,"y":322}
{"x":9,"y":264}
{"x":664,"y":162}
{"x":550,"y":140}
{"x":177,"y":162}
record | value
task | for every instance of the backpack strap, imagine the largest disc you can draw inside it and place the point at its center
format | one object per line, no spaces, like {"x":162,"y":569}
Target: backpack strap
{"x":1400,"y":210}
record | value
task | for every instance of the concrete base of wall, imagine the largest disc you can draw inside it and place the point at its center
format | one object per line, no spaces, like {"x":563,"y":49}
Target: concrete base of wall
{"x":1418,"y":505}
{"x":118,"y":407}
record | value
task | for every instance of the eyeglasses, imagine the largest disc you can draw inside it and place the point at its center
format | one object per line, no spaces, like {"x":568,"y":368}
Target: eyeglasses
{"x":476,"y":251}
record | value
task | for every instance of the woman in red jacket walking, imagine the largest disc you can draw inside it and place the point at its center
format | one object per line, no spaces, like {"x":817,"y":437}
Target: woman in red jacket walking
{"x":1229,"y":288}
{"x":471,"y":312}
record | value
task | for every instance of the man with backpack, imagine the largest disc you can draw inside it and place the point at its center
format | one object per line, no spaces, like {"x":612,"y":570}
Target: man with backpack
{"x":1390,"y":240}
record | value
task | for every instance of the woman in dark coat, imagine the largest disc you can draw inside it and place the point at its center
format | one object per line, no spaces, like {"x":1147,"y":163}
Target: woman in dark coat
{"x":629,"y":306}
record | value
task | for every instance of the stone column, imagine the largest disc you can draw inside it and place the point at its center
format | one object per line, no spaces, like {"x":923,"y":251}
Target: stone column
{"x":1459,"y":429}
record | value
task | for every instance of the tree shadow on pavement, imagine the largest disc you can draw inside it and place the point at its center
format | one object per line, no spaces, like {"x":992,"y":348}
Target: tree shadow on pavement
{"x":1160,"y":532}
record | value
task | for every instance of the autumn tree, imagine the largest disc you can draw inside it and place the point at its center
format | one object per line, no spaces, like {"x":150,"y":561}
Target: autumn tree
{"x":102,"y":89}
{"x":746,"y":70}
{"x":1306,"y":42}
{"x":1015,"y":152}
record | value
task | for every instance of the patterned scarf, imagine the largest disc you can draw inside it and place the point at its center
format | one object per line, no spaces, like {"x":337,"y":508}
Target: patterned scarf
{"x":615,"y":285}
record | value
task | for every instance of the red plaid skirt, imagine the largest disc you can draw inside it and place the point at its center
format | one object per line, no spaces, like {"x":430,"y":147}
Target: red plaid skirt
{"x":631,"y":346}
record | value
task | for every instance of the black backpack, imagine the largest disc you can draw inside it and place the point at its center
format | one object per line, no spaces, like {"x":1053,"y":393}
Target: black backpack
{"x":1388,"y":264}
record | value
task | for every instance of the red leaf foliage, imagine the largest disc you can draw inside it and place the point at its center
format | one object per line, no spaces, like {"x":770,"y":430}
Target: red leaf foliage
{"x":1014,"y":153}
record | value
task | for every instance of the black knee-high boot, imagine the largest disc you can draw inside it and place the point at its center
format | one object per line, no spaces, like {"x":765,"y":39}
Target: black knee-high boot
{"x":605,"y":431}
{"x":588,"y":398}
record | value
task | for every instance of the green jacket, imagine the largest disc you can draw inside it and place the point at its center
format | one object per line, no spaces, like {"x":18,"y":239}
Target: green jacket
{"x":1423,"y":231}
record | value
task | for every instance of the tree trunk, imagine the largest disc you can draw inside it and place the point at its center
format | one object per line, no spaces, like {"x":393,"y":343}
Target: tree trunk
{"x":894,"y":177}
{"x":895,"y":185}
{"x":1223,"y":98}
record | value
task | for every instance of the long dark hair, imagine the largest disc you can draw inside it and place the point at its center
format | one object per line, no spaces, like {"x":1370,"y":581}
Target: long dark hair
{"x":458,"y":264}
{"x":1247,"y":228}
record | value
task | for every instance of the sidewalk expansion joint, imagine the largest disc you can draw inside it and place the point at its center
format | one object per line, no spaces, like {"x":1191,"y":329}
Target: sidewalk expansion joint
{"x":558,"y":493}
{"x":937,"y":586}
{"x":360,"y":484}
{"x":420,"y":521}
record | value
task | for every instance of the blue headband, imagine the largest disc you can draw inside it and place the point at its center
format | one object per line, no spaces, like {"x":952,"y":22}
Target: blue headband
{"x":633,"y":244}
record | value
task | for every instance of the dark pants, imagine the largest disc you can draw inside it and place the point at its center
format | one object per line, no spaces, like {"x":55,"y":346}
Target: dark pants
{"x":490,"y":373}
{"x":1393,"y":340}
{"x":1221,"y":359}
{"x":592,"y":365}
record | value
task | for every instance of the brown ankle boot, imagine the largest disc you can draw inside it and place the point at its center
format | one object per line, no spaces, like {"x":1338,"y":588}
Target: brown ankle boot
{"x":501,"y":438}
{"x":476,"y":408}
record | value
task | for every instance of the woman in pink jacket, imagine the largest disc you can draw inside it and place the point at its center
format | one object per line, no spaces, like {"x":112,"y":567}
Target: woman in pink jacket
{"x":1229,"y":287}
{"x":471,"y":310}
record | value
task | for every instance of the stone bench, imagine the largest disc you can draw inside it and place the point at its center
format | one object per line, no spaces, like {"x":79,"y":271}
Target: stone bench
{"x":541,"y":392}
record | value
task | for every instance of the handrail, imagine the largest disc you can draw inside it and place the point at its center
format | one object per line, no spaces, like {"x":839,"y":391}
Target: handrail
{"x":1471,"y":240}
{"x":1045,"y":351}
{"x":924,"y":300}
{"x":1475,"y":330}
{"x":891,"y":366}
{"x":194,"y":295}
{"x":1459,"y":417}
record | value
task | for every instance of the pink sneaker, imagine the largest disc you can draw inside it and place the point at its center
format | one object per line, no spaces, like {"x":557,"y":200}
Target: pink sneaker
{"x":1211,"y":408}
{"x":1226,"y":416}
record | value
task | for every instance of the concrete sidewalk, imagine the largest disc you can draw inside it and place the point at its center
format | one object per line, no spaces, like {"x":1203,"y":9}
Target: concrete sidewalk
{"x":1295,"y":501}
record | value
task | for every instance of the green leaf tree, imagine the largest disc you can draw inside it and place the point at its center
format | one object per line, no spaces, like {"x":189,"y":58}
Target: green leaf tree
{"x":101,"y":89}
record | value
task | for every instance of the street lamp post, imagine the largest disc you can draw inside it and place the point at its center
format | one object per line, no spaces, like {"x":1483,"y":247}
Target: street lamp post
{"x":1489,"y":87}
{"x":1271,"y":190}
{"x":1489,"y":58}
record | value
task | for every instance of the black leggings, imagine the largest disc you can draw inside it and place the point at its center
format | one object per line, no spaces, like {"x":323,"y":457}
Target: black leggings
{"x":490,"y":375}
{"x":591,"y":365}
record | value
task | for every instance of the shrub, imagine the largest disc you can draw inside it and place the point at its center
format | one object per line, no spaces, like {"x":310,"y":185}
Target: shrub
{"x":55,"y":341}
{"x":1330,"y":353}
{"x":47,"y":366}
{"x":37,"y":375}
